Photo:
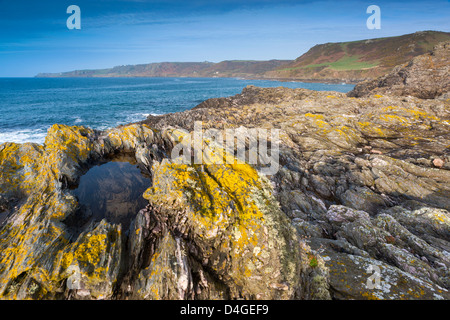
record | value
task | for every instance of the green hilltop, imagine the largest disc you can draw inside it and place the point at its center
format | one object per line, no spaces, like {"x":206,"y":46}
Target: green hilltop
{"x":358,"y":60}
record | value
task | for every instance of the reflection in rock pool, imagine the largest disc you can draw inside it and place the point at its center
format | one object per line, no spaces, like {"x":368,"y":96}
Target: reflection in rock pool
{"x":113,"y":190}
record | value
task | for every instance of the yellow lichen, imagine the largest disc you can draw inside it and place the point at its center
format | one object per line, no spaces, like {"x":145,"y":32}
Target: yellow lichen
{"x":315,"y":116}
{"x":90,"y":251}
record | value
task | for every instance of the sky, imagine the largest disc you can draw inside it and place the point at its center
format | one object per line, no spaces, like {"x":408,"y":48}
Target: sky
{"x":34,"y":36}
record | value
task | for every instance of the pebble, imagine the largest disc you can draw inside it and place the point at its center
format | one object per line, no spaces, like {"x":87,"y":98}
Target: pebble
{"x":439,"y":163}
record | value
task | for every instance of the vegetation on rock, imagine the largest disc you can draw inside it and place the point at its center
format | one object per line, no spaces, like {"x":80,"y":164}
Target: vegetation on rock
{"x":363,"y":183}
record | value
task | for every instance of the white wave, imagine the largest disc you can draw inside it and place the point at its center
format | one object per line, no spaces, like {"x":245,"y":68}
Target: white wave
{"x":134,"y":117}
{"x":78,"y":120}
{"x":103,"y":127}
{"x":24,"y":135}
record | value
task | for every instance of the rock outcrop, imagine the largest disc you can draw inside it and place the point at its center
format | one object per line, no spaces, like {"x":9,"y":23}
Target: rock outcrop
{"x":426,"y":76}
{"x":364,"y":181}
{"x":359,"y":208}
{"x":208,"y":231}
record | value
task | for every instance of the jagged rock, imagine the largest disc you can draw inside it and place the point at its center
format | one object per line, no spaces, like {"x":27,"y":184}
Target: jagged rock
{"x":425,"y":77}
{"x":231,"y":223}
{"x":409,"y":267}
{"x":363,"y":198}
{"x":354,"y":277}
{"x":388,"y":206}
{"x":385,"y":238}
{"x":221,"y":224}
{"x":38,"y":247}
{"x":92,"y":263}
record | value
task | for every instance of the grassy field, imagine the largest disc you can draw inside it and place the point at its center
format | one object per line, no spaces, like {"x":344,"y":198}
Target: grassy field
{"x":346,"y":63}
{"x":343,"y":64}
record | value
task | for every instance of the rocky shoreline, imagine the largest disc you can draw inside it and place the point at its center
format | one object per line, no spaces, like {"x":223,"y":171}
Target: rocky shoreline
{"x":363,"y":186}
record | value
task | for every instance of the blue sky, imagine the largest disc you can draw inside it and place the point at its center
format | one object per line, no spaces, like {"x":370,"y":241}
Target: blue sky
{"x":34,"y":37}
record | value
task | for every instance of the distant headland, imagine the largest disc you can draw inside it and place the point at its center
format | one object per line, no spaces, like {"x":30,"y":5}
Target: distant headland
{"x":350,"y":62}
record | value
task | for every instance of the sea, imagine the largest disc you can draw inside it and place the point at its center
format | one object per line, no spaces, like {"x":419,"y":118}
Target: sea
{"x":29,"y":106}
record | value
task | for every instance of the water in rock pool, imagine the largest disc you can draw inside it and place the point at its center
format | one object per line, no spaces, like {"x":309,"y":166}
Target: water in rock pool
{"x":113,"y":190}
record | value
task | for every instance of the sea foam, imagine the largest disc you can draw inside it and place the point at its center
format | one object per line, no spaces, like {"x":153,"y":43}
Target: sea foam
{"x":22,"y":136}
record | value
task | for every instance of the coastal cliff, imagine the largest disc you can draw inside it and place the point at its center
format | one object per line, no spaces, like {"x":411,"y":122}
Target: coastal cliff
{"x":349,"y":62}
{"x":363,"y":184}
{"x":355,"y":61}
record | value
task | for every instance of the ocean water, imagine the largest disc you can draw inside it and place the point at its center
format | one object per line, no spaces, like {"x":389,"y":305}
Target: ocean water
{"x":29,"y":106}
